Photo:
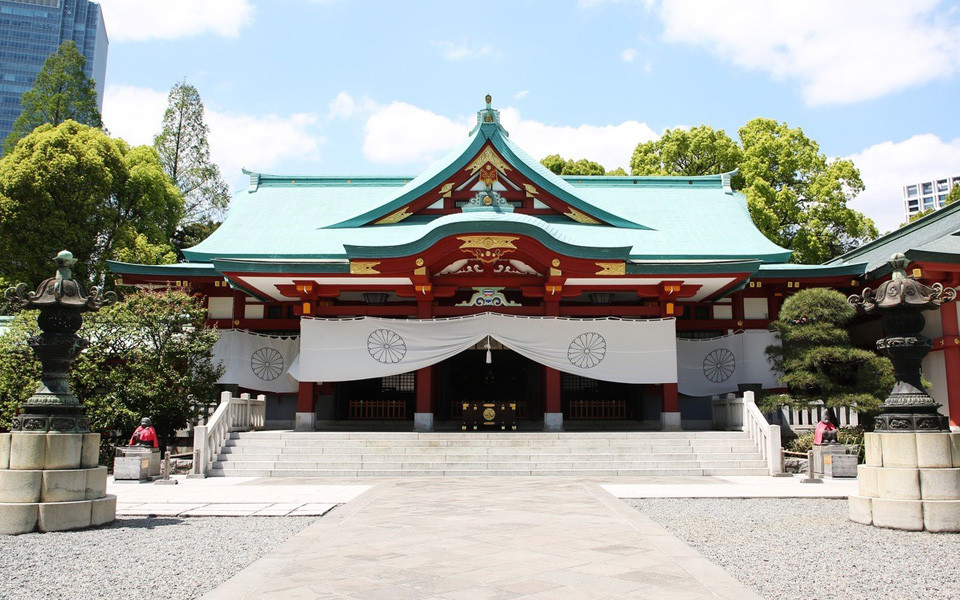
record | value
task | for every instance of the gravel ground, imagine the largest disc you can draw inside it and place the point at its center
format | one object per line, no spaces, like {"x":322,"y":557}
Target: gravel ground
{"x":807,"y":548}
{"x":156,"y":558}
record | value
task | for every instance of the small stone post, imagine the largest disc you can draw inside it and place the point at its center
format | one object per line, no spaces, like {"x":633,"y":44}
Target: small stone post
{"x":50,"y":477}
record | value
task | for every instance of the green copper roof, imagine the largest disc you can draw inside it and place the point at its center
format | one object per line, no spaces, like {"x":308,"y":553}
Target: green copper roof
{"x":934,"y":237}
{"x":292,"y":217}
{"x":175,"y":270}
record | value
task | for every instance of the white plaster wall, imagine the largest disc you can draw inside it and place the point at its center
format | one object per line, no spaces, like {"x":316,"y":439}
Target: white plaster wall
{"x":755,"y":308}
{"x":220,"y":307}
{"x":935,"y":372}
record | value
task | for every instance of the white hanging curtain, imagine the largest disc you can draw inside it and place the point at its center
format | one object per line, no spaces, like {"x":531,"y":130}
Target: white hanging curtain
{"x":626,"y":351}
{"x":257,"y":362}
{"x":718,"y":365}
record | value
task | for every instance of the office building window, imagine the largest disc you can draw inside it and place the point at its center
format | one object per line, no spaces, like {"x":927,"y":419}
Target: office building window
{"x":911,"y":191}
{"x":928,"y":188}
{"x":927,"y":203}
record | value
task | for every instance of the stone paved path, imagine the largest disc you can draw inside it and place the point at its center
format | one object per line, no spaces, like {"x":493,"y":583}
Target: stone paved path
{"x":483,"y":538}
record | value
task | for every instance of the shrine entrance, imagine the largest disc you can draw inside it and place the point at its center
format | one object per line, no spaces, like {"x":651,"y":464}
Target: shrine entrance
{"x":508,"y":377}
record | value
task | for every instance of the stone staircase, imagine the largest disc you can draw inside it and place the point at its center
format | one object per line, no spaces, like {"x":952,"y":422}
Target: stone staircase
{"x":351,"y":454}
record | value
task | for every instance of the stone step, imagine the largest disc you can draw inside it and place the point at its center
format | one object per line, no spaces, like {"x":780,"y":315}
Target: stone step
{"x":484,"y":435}
{"x":621,"y":444}
{"x":498,"y":465}
{"x":466,"y":457}
{"x":348,"y":473}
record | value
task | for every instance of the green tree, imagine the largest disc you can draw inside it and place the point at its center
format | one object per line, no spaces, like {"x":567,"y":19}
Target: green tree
{"x":817,"y":361}
{"x":150,"y":355}
{"x":558,"y":165}
{"x":72,"y":186}
{"x":19,"y":372}
{"x":60,"y":92}
{"x":185,"y":155}
{"x":698,"y":151}
{"x":796,"y":197}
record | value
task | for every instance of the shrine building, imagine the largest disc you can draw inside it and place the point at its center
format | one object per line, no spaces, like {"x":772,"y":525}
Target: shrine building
{"x":615,"y":301}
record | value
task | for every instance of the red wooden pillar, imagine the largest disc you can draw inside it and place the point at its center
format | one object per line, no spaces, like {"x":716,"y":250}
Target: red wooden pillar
{"x":670,"y":411}
{"x":552,"y":406}
{"x":306,"y":417}
{"x":423,"y":414}
{"x":951,"y":359}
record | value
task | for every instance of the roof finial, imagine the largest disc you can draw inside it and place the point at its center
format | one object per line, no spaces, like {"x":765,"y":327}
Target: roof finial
{"x":489,"y":99}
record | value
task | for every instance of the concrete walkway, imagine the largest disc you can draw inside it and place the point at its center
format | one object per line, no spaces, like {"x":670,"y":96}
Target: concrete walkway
{"x":483,"y":538}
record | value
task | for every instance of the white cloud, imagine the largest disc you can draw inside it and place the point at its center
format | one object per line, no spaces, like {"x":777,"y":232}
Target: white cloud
{"x":888,"y":166}
{"x":141,"y":20}
{"x":344,"y":106}
{"x":840,"y":52}
{"x":133,"y":113}
{"x":521,"y":94}
{"x":257,"y":142}
{"x":465,"y":50}
{"x":400,"y":133}
{"x":628,"y":55}
{"x":610,"y":145}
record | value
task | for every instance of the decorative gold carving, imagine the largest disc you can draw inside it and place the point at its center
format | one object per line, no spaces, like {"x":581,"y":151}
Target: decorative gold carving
{"x":612,"y":268}
{"x":487,"y":156}
{"x":579,"y":217}
{"x":419,"y":262}
{"x":531,"y":190}
{"x":555,"y":262}
{"x":487,"y":242}
{"x":489,"y":414}
{"x":488,"y":175}
{"x":555,"y":272}
{"x":446,"y":190}
{"x":364,"y":267}
{"x":420,"y":271}
{"x":396,"y":217}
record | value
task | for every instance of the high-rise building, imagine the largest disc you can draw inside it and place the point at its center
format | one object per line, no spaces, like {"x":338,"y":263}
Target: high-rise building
{"x":31,"y":30}
{"x":926,"y":195}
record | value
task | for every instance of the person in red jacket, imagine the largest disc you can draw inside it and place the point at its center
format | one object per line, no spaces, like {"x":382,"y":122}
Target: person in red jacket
{"x":145,"y":435}
{"x":826,"y":431}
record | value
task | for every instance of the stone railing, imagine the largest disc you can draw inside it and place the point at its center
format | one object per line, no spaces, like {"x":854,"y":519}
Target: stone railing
{"x":807,"y":417}
{"x":742,"y":414}
{"x":233,"y":414}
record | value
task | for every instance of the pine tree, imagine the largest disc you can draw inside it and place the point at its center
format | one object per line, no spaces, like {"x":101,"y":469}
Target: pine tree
{"x":816,"y":359}
{"x":61,"y":92}
{"x":185,"y":155}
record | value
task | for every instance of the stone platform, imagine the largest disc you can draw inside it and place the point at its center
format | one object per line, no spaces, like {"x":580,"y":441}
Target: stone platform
{"x":52,"y":482}
{"x":910,"y":481}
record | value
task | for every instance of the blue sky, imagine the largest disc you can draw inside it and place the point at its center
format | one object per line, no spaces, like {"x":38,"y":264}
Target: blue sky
{"x":384,"y":87}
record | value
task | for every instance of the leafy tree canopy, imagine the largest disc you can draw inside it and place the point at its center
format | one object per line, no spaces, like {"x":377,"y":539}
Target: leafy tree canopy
{"x":185,"y":155}
{"x":150,"y":355}
{"x":558,"y":165}
{"x":796,"y":197}
{"x":817,"y":361}
{"x":72,"y":186}
{"x":698,"y":151}
{"x":60,"y":92}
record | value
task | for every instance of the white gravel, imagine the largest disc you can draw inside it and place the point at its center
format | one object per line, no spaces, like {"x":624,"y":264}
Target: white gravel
{"x":807,"y":548}
{"x":154,"y":558}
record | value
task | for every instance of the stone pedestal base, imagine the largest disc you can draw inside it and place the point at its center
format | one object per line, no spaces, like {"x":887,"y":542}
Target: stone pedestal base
{"x":305,"y":421}
{"x":553,"y":421}
{"x":910,"y":481}
{"x":423,"y":422}
{"x":670,"y":421}
{"x":136,"y":463}
{"x":51,"y":482}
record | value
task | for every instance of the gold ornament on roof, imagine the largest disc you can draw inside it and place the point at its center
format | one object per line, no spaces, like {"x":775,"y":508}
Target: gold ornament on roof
{"x":364,"y":267}
{"x":611,"y":268}
{"x":579,"y":217}
{"x":487,"y":242}
{"x":488,"y":155}
{"x":396,"y":217}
